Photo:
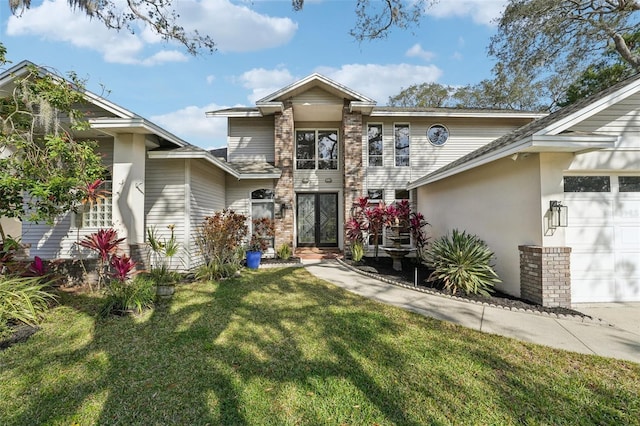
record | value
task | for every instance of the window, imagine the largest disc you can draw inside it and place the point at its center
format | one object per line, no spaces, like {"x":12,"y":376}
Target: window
{"x":317,"y":149}
{"x":402,"y":144}
{"x":629,"y":183}
{"x":98,"y":214}
{"x":587,"y":184}
{"x":403,"y":195}
{"x":374,"y":143}
{"x":375,"y":196}
{"x":262,"y":205}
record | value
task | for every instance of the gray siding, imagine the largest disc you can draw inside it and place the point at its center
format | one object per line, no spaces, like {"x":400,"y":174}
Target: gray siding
{"x":207,"y":196}
{"x":465,"y":135}
{"x":165,"y":201}
{"x":59,"y":240}
{"x":317,"y":96}
{"x":251,"y":139}
{"x":622,"y":119}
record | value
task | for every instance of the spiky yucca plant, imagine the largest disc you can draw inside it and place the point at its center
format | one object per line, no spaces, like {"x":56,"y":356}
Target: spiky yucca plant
{"x":462,"y":262}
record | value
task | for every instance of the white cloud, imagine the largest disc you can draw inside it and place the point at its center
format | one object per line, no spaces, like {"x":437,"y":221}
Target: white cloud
{"x":381,"y":81}
{"x":191,"y":124}
{"x":481,"y":11}
{"x":225,"y":22}
{"x":211,"y":79}
{"x":263,"y":82}
{"x":416,"y":51}
{"x":116,"y":47}
{"x":235,"y":28}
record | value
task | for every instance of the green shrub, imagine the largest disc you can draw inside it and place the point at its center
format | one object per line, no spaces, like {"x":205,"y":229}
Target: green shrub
{"x":22,"y":300}
{"x":284,"y":251}
{"x":462,"y":262}
{"x":134,"y":295}
{"x":216,"y":270}
{"x":357,"y":251}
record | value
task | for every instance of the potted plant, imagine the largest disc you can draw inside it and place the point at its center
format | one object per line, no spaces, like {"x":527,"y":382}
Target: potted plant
{"x":254,"y":252}
{"x":263,"y":233}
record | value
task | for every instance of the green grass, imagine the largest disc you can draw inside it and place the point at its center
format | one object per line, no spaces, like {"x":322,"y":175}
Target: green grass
{"x":279,"y":347}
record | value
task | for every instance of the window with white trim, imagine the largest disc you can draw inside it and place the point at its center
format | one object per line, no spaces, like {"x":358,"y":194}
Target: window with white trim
{"x":375,"y":196}
{"x":374,"y":143}
{"x":262,"y":205}
{"x":402,"y":144}
{"x":99,"y":213}
{"x":317,"y":149}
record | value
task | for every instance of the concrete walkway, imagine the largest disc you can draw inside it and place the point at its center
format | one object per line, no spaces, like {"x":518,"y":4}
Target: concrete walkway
{"x":604,"y":338}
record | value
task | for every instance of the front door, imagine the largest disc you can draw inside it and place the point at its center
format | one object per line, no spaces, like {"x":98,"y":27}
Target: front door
{"x":317,"y":218}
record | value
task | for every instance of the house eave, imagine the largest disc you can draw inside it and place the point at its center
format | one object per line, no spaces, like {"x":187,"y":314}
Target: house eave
{"x":457,"y":114}
{"x":168,"y":154}
{"x":366,"y":108}
{"x":234,"y":113}
{"x":134,"y":125}
{"x":269,"y":108}
{"x":246,"y":176}
{"x":532,"y":144}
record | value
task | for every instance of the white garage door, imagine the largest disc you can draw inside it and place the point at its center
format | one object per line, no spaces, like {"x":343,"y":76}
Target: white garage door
{"x":604,"y":234}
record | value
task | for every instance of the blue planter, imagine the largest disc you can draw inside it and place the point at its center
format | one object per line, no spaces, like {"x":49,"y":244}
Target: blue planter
{"x":253,"y":259}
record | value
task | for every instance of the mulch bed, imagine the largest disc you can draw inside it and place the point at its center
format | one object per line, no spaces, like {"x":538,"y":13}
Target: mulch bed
{"x":20,"y":334}
{"x":383,"y":268}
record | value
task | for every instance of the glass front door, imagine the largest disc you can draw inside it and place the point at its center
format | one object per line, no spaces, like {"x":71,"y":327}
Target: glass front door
{"x":317,"y":218}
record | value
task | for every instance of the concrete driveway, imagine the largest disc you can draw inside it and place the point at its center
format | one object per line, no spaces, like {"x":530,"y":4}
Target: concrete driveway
{"x":624,"y":315}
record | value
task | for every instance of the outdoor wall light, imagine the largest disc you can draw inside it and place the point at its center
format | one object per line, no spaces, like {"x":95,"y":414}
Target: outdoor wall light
{"x":559,"y":215}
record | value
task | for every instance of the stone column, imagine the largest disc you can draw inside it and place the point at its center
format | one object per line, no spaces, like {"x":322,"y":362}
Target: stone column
{"x":284,"y":157}
{"x":351,"y":160}
{"x":545,"y":276}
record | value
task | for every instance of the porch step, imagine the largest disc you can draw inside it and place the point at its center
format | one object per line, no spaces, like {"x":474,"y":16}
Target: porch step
{"x":310,"y":253}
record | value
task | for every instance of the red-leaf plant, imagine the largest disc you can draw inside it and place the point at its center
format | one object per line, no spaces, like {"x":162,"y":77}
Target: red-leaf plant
{"x":106,"y":243}
{"x":122,"y":267}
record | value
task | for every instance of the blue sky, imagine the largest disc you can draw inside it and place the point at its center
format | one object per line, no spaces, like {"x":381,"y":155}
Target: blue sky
{"x":263,"y":45}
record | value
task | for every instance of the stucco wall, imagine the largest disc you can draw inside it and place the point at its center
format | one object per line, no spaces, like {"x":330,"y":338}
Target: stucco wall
{"x":499,"y":202}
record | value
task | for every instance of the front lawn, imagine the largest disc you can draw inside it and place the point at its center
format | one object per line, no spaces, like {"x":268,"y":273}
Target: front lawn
{"x":277,"y":346}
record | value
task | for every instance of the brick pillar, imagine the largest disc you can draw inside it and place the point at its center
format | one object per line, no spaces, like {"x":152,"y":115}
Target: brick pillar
{"x":284,"y":157}
{"x":545,"y":276}
{"x":352,"y":159}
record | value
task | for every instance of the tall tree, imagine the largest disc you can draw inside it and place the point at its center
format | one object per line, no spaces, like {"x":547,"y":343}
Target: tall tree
{"x":488,"y":94}
{"x":44,"y":169}
{"x":423,"y":95}
{"x":603,"y":73}
{"x":555,"y":40}
{"x":374,"y":19}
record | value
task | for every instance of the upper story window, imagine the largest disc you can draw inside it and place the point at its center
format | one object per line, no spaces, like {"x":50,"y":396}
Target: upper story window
{"x":402,"y":142}
{"x":317,"y":149}
{"x":374,"y":144}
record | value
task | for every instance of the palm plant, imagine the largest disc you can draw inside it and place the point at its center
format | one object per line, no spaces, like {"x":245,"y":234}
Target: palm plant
{"x":462,"y":262}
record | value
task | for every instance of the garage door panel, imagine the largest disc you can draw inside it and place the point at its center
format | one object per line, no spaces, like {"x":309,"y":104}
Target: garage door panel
{"x":592,"y":290}
{"x":590,"y":237}
{"x":628,"y":289}
{"x":588,"y":265}
{"x":583,"y":211}
{"x":627,"y":208}
{"x":627,"y":237}
{"x":604,"y":236}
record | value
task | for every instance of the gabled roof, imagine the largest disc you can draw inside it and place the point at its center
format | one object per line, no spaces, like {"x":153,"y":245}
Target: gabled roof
{"x":547,"y":134}
{"x":275,"y":102}
{"x":315,"y":80}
